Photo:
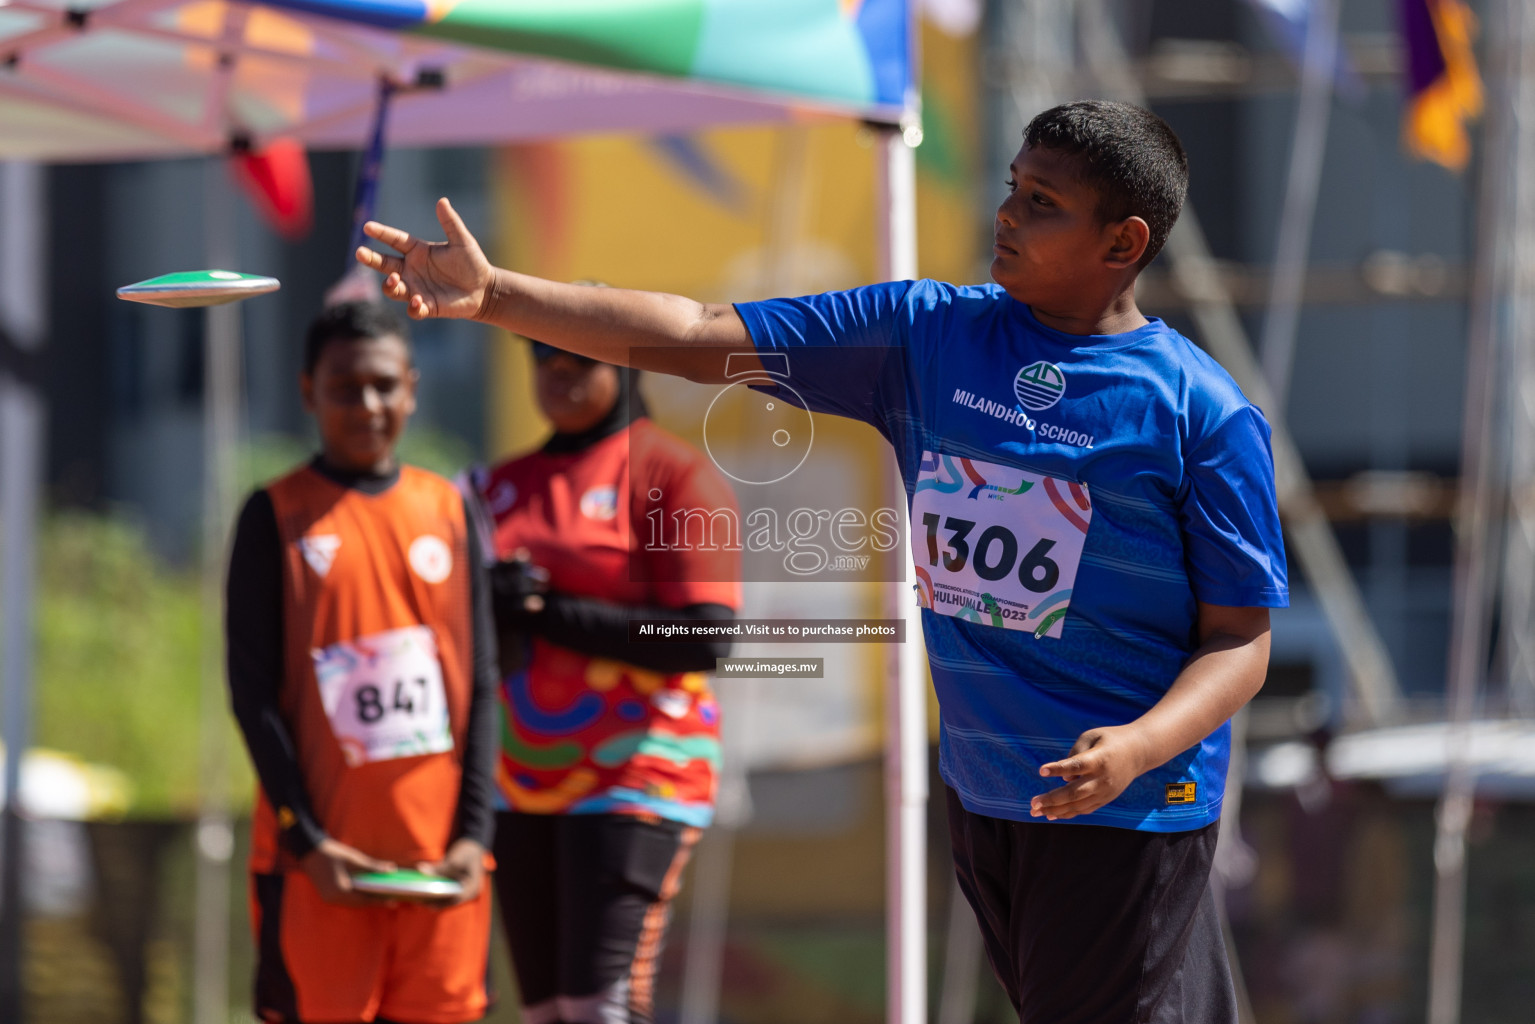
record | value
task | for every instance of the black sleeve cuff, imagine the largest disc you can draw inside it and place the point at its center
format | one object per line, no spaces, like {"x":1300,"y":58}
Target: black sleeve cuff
{"x":299,"y":832}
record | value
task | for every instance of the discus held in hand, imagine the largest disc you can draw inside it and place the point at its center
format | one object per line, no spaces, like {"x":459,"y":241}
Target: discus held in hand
{"x":407,"y":884}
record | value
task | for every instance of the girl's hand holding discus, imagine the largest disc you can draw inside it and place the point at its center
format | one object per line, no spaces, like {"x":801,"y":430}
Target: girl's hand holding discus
{"x":451,"y":279}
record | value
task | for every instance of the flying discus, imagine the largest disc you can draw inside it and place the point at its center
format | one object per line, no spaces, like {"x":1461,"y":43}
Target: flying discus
{"x":198,"y":288}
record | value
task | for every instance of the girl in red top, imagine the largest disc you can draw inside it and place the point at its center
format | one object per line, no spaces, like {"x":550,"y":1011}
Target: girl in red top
{"x":609,"y":750}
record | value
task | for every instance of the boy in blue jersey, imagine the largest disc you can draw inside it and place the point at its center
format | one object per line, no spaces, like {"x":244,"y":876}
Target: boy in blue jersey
{"x":1094,"y":529}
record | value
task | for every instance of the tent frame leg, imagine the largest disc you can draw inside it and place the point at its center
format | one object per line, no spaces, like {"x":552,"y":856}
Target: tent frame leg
{"x":906,"y":687}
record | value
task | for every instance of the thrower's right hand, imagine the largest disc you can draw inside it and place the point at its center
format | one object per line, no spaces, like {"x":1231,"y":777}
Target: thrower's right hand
{"x":449,"y":279}
{"x":330,"y":866}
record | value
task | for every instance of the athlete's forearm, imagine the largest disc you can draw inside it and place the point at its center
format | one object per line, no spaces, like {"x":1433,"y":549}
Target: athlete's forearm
{"x":475,"y":816}
{"x":601,"y":628}
{"x":253,"y":651}
{"x":276,"y":762}
{"x":646,"y":330}
{"x":1224,"y":673}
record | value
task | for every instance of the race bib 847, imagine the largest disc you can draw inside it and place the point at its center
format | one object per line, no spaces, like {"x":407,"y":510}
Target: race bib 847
{"x":995,"y":544}
{"x":384,"y":695}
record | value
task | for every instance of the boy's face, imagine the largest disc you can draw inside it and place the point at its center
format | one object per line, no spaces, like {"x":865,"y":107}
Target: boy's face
{"x":1052,"y":251}
{"x":361,"y":393}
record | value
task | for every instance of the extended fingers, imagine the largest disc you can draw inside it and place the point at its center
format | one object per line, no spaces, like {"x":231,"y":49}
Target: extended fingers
{"x":1071,"y":766}
{"x":1080,"y":797}
{"x":452,"y":224}
{"x":395,"y":238}
{"x":374,"y":260}
{"x":416,"y":305}
{"x":1062,"y":812}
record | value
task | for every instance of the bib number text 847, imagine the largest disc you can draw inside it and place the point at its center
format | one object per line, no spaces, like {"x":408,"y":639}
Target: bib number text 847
{"x":370,"y":700}
{"x":995,"y":553}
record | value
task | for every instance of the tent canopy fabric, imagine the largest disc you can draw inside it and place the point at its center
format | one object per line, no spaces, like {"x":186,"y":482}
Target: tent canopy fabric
{"x":127,"y":79}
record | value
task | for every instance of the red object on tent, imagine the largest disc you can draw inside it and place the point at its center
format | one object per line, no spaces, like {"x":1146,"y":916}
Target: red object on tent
{"x":277,"y":180}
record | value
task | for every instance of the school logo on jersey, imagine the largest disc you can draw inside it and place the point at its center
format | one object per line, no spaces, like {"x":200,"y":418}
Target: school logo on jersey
{"x":600,"y":503}
{"x":320,"y":552}
{"x":1039,"y":386}
{"x":430,"y":558}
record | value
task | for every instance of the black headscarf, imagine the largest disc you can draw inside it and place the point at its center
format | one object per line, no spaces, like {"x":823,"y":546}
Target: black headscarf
{"x":628,"y":406}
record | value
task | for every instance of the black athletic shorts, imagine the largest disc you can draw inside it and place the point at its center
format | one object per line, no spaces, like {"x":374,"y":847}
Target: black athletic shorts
{"x":586,"y":899}
{"x":1092,"y":925}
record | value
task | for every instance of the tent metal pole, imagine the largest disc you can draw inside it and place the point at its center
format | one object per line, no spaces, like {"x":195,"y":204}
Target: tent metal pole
{"x":22,"y":317}
{"x":906,"y":688}
{"x":221,"y":424}
{"x":1513,"y":79}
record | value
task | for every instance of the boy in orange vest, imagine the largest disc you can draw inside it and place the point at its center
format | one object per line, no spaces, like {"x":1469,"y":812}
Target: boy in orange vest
{"x":361,"y":667}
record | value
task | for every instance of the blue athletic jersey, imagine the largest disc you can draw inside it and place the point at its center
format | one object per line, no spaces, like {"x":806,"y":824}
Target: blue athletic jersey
{"x":1071,"y":497}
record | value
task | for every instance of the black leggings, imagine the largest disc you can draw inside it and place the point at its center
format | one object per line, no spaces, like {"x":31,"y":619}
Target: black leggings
{"x":586,"y":899}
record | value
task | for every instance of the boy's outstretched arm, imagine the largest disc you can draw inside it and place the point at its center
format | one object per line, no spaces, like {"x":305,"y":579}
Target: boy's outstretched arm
{"x":453,"y":279}
{"x":1225,"y":672}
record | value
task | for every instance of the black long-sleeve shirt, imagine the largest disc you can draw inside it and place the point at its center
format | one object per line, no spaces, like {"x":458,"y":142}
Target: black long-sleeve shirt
{"x":256,"y":669}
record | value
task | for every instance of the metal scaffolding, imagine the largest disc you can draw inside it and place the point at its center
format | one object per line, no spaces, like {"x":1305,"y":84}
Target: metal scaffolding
{"x":1511,"y":202}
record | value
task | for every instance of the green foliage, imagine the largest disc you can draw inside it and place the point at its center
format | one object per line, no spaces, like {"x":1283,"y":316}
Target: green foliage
{"x":119,"y":640}
{"x":443,"y":453}
{"x":269,"y":456}
{"x":118,"y":660}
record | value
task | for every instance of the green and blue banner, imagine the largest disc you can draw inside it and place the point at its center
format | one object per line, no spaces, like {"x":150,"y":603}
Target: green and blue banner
{"x":846,"y":52}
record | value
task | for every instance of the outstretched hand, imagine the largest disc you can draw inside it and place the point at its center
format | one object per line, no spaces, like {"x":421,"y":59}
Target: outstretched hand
{"x":1101,"y":765}
{"x":448,"y":279}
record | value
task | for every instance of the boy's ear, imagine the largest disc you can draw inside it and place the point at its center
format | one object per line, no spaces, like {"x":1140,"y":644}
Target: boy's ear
{"x":1128,"y":239}
{"x":306,"y":391}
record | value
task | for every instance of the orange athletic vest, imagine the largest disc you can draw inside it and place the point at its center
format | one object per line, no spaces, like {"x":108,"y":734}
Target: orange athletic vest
{"x":356,"y":566}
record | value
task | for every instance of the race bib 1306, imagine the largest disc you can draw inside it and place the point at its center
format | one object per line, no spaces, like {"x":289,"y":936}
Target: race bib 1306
{"x":384,"y":695}
{"x":996,"y":544}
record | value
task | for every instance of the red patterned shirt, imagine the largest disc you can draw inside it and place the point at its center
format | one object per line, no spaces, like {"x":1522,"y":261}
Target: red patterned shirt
{"x":588,"y":735}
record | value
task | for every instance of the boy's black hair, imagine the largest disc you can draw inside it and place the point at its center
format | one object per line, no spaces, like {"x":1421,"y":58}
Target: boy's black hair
{"x":347,"y":321}
{"x":1126,"y":153}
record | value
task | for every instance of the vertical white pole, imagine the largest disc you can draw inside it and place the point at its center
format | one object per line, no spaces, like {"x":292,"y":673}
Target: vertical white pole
{"x":906,"y":690}
{"x":1508,"y":141}
{"x":221,"y":424}
{"x":22,"y":264}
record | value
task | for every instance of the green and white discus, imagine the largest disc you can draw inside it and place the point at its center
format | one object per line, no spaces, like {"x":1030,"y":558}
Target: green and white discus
{"x":407,"y":884}
{"x":198,"y":288}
